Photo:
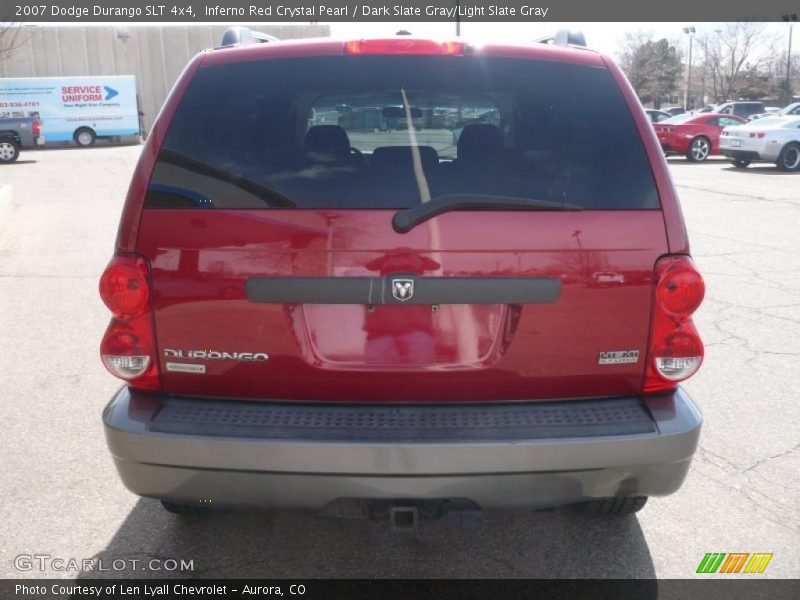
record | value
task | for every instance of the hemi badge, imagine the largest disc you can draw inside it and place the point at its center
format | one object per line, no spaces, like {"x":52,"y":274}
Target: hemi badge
{"x":618,"y":357}
{"x":185,"y":368}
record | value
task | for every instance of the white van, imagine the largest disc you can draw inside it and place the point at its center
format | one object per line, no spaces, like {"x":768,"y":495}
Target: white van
{"x":79,"y":109}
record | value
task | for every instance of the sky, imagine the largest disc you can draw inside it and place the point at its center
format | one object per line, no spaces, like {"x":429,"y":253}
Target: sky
{"x":605,"y":37}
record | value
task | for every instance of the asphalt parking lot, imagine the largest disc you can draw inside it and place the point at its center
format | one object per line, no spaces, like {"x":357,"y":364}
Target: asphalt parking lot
{"x":62,"y":497}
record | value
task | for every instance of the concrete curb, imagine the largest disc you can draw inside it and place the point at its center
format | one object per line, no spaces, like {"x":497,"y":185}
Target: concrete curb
{"x":5,"y":206}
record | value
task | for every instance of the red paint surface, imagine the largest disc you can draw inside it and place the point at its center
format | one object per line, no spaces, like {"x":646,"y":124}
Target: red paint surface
{"x":202,"y":259}
{"x":604,"y":260}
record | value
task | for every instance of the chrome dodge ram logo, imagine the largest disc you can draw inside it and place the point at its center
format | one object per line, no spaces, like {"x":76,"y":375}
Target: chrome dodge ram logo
{"x":403,"y":289}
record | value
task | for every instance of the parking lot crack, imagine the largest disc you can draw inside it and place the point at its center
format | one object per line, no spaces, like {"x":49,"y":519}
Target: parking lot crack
{"x":757,"y":464}
{"x":723,"y":463}
{"x":767,"y":511}
{"x":742,"y":196}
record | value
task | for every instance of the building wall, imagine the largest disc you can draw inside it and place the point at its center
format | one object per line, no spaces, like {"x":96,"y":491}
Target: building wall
{"x":154,"y":55}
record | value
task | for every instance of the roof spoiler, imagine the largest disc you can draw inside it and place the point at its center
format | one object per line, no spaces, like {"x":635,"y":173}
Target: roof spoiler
{"x":243,"y":36}
{"x":564,"y":37}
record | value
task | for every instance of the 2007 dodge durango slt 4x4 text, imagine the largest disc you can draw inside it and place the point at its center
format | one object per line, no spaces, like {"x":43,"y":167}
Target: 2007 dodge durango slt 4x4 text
{"x":322,"y":293}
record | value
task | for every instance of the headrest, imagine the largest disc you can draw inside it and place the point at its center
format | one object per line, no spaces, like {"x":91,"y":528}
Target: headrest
{"x":327,"y":142}
{"x":480,"y":140}
{"x":400,"y":157}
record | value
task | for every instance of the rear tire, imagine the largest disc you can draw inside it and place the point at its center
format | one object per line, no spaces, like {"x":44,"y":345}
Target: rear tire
{"x":740,"y":164}
{"x":9,"y":151}
{"x":789,"y":158}
{"x":84,"y":137}
{"x":613,"y":506}
{"x":184,"y":510}
{"x":699,"y":149}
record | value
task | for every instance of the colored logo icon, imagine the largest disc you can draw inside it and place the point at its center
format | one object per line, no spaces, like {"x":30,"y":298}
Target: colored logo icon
{"x":734,"y":562}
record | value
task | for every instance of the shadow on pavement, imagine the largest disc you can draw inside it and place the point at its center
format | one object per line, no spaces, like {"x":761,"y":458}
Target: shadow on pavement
{"x":552,"y":544}
{"x":765,"y":169}
{"x":682,"y":160}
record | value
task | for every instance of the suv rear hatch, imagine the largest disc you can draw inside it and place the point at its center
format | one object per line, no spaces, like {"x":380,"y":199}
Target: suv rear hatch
{"x":277,"y":273}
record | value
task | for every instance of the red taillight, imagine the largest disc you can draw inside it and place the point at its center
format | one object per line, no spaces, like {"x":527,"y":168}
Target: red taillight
{"x":128,"y":346}
{"x":680,"y":288}
{"x":124,"y":287}
{"x":36,"y":128}
{"x":757,"y":134}
{"x":676,"y":351}
{"x":403,"y":46}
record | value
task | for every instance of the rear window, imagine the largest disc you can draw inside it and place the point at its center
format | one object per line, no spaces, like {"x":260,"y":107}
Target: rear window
{"x":383,"y":132}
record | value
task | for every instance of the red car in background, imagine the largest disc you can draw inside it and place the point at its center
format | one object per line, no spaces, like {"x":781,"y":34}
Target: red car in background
{"x":694,"y":136}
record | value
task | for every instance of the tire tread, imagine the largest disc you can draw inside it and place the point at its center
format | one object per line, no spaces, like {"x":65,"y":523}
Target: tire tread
{"x":619,"y":505}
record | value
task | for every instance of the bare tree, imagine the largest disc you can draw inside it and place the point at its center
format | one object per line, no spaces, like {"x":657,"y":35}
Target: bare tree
{"x":731,"y":52}
{"x":774,"y":65}
{"x":11,"y":38}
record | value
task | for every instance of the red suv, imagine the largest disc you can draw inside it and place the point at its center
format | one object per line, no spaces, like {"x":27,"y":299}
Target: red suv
{"x":312,"y":310}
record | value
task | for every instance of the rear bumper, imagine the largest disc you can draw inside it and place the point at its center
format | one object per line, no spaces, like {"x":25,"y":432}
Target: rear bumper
{"x":750,"y":155}
{"x":510,"y":455}
{"x":749,"y":149}
{"x":741,"y":154}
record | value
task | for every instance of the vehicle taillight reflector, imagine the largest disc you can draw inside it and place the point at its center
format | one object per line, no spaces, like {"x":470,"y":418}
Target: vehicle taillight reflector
{"x":36,"y":128}
{"x":679,"y":354}
{"x":126,"y":367}
{"x":757,"y":134}
{"x":403,"y":46}
{"x":124,"y":287}
{"x":128,"y":349}
{"x":676,"y":350}
{"x":128,"y":352}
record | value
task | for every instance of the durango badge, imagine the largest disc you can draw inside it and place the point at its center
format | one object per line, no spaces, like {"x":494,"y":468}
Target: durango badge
{"x":217,"y":355}
{"x":403,"y":289}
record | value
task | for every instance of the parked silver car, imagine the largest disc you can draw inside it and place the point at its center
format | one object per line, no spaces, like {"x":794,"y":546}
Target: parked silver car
{"x":773,"y":139}
{"x":791,"y":110}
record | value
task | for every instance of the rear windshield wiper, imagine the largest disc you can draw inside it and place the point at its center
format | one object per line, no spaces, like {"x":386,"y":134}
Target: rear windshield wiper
{"x":406,"y":219}
{"x":269,"y":196}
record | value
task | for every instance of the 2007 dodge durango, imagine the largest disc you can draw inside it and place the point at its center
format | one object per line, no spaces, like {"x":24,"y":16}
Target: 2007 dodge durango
{"x":402,"y":274}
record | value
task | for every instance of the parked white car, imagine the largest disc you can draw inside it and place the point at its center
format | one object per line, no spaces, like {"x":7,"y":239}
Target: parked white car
{"x":792,"y":109}
{"x":773,"y":139}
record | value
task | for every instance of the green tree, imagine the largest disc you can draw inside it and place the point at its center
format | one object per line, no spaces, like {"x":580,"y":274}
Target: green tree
{"x":654,"y":68}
